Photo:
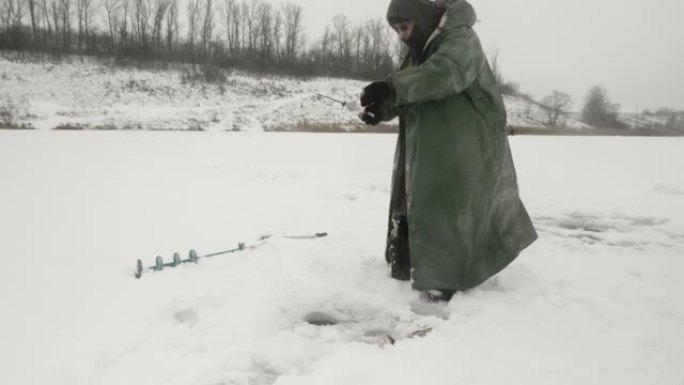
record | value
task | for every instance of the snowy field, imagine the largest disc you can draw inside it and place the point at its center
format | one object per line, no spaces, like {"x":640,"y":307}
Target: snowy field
{"x":598,"y":299}
{"x":91,"y":94}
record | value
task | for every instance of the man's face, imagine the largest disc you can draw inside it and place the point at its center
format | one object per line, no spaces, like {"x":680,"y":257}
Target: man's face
{"x":404,"y":29}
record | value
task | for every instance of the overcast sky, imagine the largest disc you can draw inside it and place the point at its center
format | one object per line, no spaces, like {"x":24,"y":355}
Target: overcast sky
{"x":635,"y":48}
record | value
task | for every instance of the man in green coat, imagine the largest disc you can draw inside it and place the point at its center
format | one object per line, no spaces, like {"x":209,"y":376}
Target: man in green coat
{"x":455,"y":218}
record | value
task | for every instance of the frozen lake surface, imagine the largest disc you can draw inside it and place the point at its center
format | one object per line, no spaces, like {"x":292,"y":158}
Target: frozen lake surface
{"x":596,"y":300}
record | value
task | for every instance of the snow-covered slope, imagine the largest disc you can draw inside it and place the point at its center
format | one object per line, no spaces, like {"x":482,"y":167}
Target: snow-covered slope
{"x":644,"y":120}
{"x":525,"y":112}
{"x":86,"y":93}
{"x":596,"y":300}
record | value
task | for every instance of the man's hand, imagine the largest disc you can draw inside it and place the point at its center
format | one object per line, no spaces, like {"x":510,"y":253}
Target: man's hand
{"x":371,"y":115}
{"x":375,"y":93}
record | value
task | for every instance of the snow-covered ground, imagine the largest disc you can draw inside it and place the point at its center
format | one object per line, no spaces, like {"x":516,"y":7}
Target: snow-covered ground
{"x":87,"y":93}
{"x":596,"y":300}
{"x":525,"y":112}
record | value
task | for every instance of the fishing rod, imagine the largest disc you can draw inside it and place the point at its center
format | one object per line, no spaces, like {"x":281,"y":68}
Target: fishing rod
{"x":344,"y":104}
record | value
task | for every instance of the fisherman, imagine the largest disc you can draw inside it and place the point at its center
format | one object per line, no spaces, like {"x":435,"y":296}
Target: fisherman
{"x":455,"y":218}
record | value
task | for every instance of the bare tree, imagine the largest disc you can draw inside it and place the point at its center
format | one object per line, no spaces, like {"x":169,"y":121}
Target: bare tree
{"x":242,"y":23}
{"x":56,"y":13}
{"x":45,"y":11}
{"x":265,"y":30}
{"x":399,"y":51}
{"x":236,"y":18}
{"x":12,"y":14}
{"x":226,"y":9}
{"x":250,"y":30}
{"x":33,"y":13}
{"x":112,"y":8}
{"x":123,"y":27}
{"x":357,"y":38}
{"x":160,"y":8}
{"x":6,"y":16}
{"x":326,"y":42}
{"x":277,"y":33}
{"x":366,"y":46}
{"x":193,"y":24}
{"x":19,"y":13}
{"x":79,"y":21}
{"x":556,"y":106}
{"x":250,"y":12}
{"x":342,"y":39}
{"x":6,"y":11}
{"x":599,"y":111}
{"x":379,"y":48}
{"x":142,"y":12}
{"x":15,"y":12}
{"x":84,"y":15}
{"x":65,"y":18}
{"x":207,"y":27}
{"x":172,"y":26}
{"x":293,"y":31}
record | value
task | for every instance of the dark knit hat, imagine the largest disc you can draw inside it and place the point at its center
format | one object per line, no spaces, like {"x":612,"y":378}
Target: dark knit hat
{"x":425,"y":13}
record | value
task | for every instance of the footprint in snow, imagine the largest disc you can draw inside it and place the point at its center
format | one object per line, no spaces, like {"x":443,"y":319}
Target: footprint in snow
{"x":186,"y":316}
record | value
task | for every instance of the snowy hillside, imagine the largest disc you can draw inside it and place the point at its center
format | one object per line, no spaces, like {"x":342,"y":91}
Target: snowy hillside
{"x":525,"y":112}
{"x":84,"y":93}
{"x":643,"y":120}
{"x":597,"y":300}
{"x":89,"y":94}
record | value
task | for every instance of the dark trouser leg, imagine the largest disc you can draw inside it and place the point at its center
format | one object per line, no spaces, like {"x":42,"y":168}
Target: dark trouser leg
{"x":398,"y":248}
{"x":397,"y":251}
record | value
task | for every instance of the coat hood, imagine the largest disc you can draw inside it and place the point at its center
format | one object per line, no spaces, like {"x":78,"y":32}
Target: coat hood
{"x":459,"y":13}
{"x":431,"y":17}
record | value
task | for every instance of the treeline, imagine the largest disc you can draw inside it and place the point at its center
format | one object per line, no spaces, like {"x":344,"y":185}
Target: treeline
{"x":600,"y":111}
{"x":252,"y":34}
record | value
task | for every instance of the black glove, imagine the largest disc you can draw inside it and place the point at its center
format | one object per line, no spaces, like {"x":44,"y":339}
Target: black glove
{"x":375,"y":93}
{"x":371,"y":115}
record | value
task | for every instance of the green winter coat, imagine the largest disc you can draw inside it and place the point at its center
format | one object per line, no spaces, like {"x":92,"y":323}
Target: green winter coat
{"x":453,"y":175}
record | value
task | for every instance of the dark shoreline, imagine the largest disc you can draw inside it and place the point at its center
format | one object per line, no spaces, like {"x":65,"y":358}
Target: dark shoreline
{"x":383,"y":129}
